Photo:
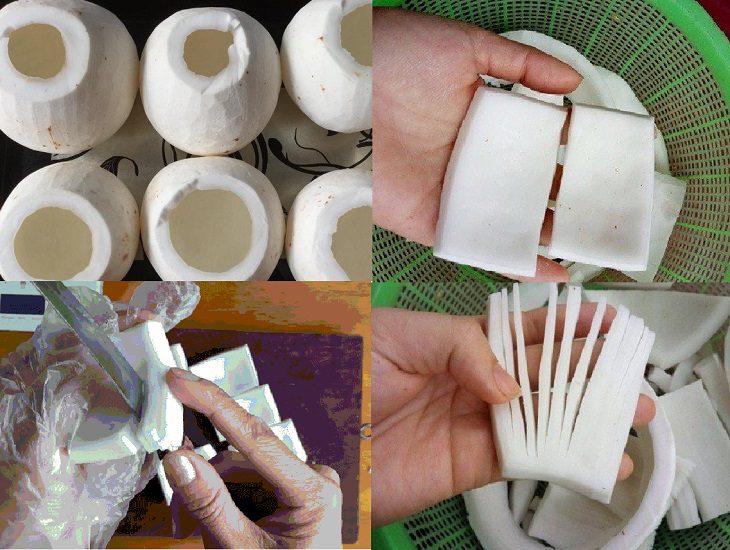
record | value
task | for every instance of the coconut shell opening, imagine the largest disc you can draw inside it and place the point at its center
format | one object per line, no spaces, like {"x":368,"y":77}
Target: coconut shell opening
{"x":37,"y":51}
{"x":357,"y":34}
{"x":206,"y":51}
{"x":352,"y":243}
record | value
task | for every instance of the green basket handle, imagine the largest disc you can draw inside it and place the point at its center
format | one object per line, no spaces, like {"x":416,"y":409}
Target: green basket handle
{"x":387,"y":3}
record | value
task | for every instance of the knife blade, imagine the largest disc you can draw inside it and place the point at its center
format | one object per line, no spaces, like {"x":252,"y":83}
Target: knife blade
{"x":125,"y":379}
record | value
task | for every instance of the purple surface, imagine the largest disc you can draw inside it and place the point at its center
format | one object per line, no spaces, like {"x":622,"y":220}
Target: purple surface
{"x":316,"y":380}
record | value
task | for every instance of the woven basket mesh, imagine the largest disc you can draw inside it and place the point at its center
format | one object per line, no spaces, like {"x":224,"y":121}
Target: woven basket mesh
{"x":445,"y":526}
{"x":668,"y":75}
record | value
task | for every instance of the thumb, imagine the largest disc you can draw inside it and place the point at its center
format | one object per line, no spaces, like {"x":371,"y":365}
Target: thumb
{"x":205,"y":496}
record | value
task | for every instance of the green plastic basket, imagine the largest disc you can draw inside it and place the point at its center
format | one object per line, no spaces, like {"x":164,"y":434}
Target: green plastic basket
{"x":677,"y":61}
{"x":445,"y":526}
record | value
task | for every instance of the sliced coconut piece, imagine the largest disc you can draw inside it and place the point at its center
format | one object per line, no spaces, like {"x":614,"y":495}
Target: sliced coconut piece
{"x":326,"y":57}
{"x":259,"y":402}
{"x":287,"y":432}
{"x":521,"y":493}
{"x":573,"y":429}
{"x":567,"y":519}
{"x":593,"y":90}
{"x":700,"y":438}
{"x":490,"y":518}
{"x":330,"y":225}
{"x":580,"y":273}
{"x":668,"y":199}
{"x":210,"y":80}
{"x":179,"y":355}
{"x":212,"y":219}
{"x":555,"y":99}
{"x":206,"y":451}
{"x":69,"y":74}
{"x":107,"y":434}
{"x":661,"y":156}
{"x":233,"y":370}
{"x":677,"y":336}
{"x":711,"y":372}
{"x":628,"y":493}
{"x":682,"y":374}
{"x":497,"y":184}
{"x":681,"y":479}
{"x":604,"y":206}
{"x":68,"y":221}
{"x":662,"y":379}
{"x":683,"y":513}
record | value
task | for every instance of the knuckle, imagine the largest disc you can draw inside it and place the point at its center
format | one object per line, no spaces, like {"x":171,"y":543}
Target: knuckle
{"x":328,"y":494}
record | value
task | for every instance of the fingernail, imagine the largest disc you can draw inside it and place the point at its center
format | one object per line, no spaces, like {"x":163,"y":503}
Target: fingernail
{"x":506,"y":384}
{"x":185,"y":374}
{"x":179,"y":469}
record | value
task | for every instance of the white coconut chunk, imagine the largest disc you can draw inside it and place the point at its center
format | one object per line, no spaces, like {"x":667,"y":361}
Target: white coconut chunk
{"x":233,"y":370}
{"x":668,"y":199}
{"x":567,"y":519}
{"x":206,"y":451}
{"x":555,"y":99}
{"x":212,"y":218}
{"x":660,"y":378}
{"x":287,"y":432}
{"x":108,"y":434}
{"x":682,"y":374}
{"x":258,"y":401}
{"x":604,"y":206}
{"x":580,"y":272}
{"x":179,"y":355}
{"x":330,"y":226}
{"x":700,"y":438}
{"x":710,"y":370}
{"x":678,"y":337}
{"x":683,"y":513}
{"x":593,"y":90}
{"x":167,"y":491}
{"x":210,"y":80}
{"x":68,"y":221}
{"x":69,"y":74}
{"x":521,"y":493}
{"x":326,"y":58}
{"x":497,"y":184}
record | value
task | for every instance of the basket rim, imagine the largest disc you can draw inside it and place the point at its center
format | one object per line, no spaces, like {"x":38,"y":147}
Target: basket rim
{"x":693,"y":21}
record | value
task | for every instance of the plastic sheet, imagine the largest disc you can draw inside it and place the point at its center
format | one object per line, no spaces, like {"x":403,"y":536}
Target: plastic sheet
{"x":47,"y":386}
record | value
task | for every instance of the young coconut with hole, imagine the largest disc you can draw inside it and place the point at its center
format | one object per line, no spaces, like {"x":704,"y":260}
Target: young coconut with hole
{"x":69,"y":74}
{"x":210,"y":80}
{"x":326,"y":57}
{"x":330,"y":226}
{"x":213,"y":218}
{"x":68,"y":221}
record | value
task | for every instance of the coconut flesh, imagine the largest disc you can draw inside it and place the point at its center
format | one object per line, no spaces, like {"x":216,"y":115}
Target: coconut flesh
{"x":211,"y":230}
{"x":53,"y":244}
{"x":352,"y":243}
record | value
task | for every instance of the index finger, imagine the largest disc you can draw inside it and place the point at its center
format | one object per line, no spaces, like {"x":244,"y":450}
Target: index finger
{"x":292,"y":480}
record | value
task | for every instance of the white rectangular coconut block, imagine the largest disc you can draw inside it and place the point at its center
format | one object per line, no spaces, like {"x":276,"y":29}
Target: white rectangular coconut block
{"x":233,"y":370}
{"x":287,"y":433}
{"x":603,"y":211}
{"x":498,"y":181}
{"x":700,"y":438}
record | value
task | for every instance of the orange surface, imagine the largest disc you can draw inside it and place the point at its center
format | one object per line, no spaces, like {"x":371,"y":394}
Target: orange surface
{"x":324,"y":308}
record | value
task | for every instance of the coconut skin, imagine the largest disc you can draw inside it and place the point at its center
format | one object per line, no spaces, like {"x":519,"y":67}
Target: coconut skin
{"x":177,"y":180}
{"x":95,"y":196}
{"x":321,"y":77}
{"x":93,"y":94}
{"x":215,"y":115}
{"x":313,"y":219}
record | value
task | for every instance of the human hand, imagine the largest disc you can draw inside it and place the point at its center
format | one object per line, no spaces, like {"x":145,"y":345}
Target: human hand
{"x":308,"y":501}
{"x":427,"y":69}
{"x":435,"y":376}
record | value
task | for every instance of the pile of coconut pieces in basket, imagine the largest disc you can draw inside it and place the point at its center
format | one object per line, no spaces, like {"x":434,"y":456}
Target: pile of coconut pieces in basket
{"x":617,"y":203}
{"x":235,"y":373}
{"x":693,"y":388}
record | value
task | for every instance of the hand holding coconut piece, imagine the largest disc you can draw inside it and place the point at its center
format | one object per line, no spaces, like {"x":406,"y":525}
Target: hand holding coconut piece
{"x":213,"y":218}
{"x":69,"y":74}
{"x":68,"y":221}
{"x":210,"y":80}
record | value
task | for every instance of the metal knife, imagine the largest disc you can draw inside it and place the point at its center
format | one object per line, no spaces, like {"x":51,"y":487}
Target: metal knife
{"x":105,"y":351}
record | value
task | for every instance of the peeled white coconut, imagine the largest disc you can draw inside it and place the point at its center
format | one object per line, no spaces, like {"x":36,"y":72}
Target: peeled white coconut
{"x":213,"y":218}
{"x":326,"y":57}
{"x":210,"y":80}
{"x":329,"y":235}
{"x":68,"y":74}
{"x":68,"y":221}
